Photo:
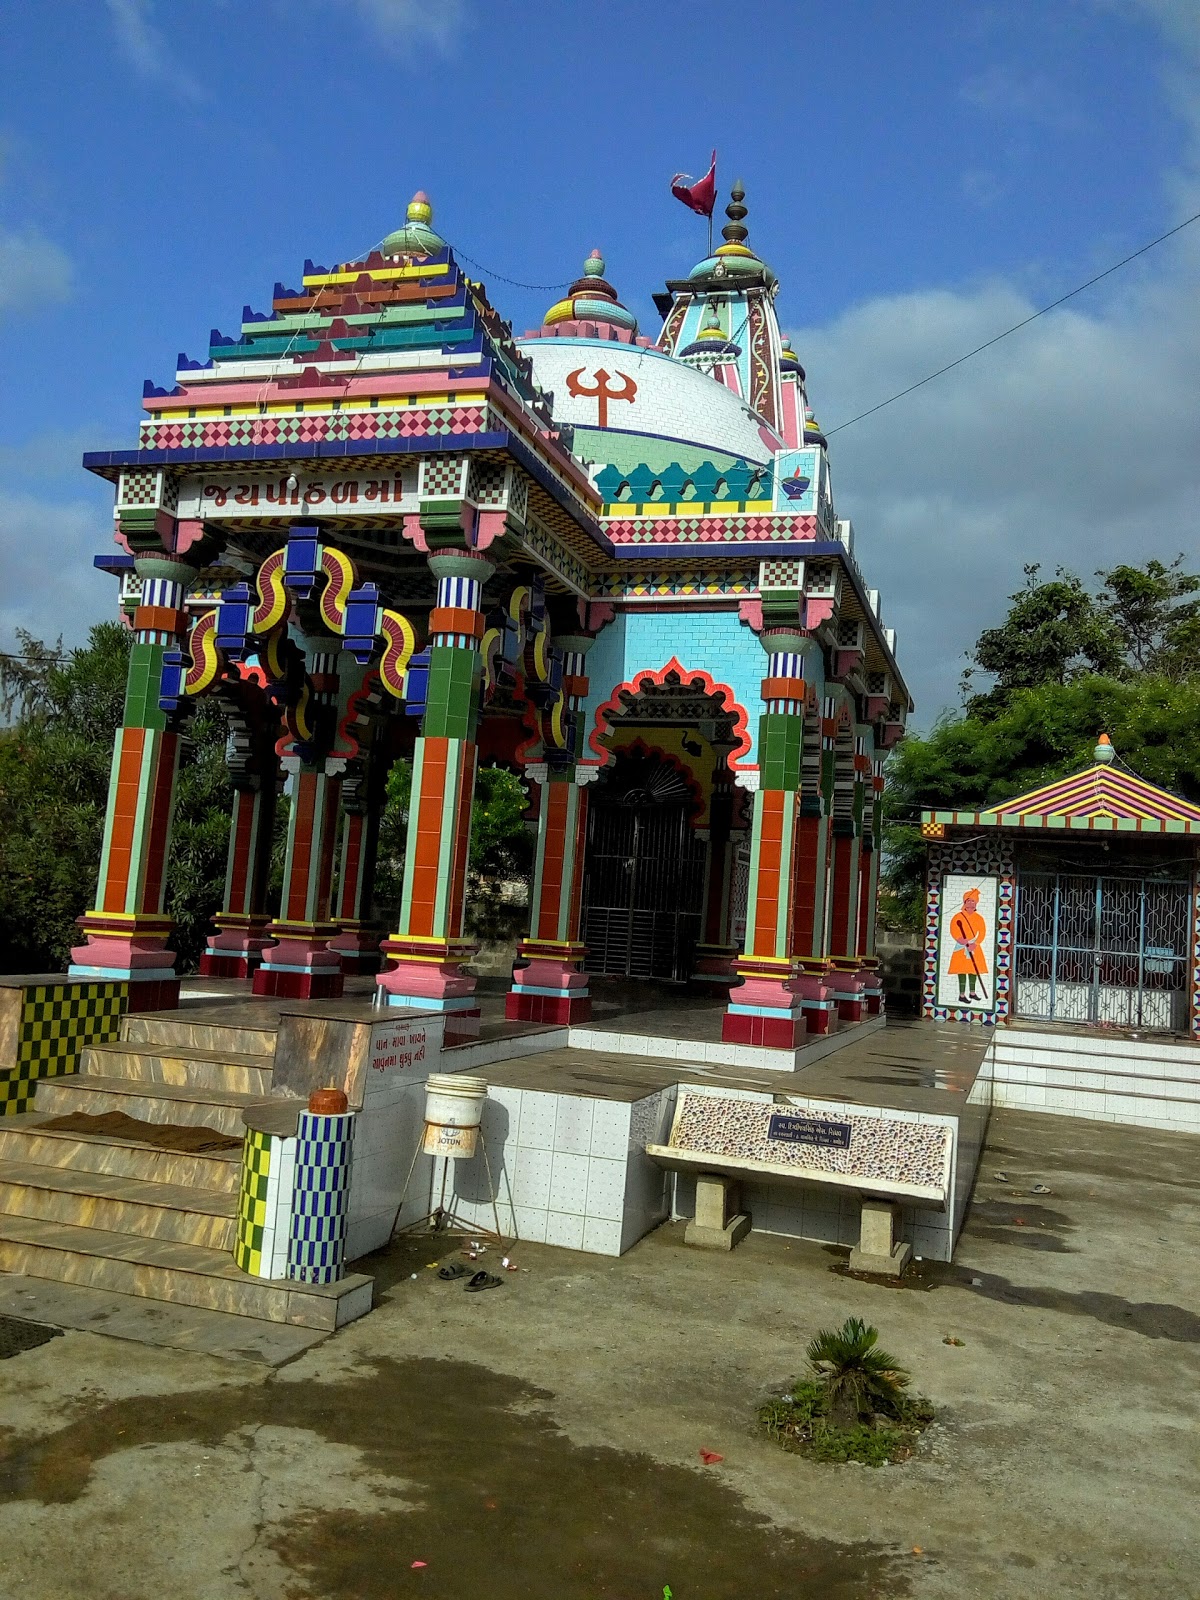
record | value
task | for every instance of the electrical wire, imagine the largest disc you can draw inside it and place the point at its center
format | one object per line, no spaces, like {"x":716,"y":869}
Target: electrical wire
{"x":1016,"y":327}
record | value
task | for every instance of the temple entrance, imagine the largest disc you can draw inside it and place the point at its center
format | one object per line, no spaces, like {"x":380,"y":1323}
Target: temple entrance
{"x":644,"y":882}
{"x":1103,"y":948}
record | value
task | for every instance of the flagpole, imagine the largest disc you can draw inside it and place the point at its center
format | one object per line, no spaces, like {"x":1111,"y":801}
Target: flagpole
{"x":710,"y":233}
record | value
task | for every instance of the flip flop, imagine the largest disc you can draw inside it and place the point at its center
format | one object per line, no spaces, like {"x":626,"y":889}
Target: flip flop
{"x":454,"y":1270}
{"x":483,"y":1280}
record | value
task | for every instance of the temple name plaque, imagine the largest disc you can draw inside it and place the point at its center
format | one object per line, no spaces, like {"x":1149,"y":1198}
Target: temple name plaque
{"x":809,"y":1130}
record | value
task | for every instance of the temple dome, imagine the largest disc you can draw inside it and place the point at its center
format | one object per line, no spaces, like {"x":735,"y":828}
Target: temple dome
{"x":733,"y":259}
{"x":592,"y":298}
{"x":416,"y":237}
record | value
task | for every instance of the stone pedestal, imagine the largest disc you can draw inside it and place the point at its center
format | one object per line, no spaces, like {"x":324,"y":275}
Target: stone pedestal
{"x":718,"y":1225}
{"x":877,"y":1250}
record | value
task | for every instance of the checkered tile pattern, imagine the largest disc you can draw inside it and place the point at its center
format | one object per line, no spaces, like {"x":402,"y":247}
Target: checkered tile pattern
{"x":57,"y":1021}
{"x":781,"y":575}
{"x":219,"y":432}
{"x":485,"y":486}
{"x":518,"y":496}
{"x":264,"y":1217}
{"x":442,"y":475}
{"x":933,"y":830}
{"x":1196,"y":964}
{"x":139,"y":488}
{"x":708,"y":530}
{"x":546,"y":547}
{"x":321,"y":1197}
{"x":252,"y":1201}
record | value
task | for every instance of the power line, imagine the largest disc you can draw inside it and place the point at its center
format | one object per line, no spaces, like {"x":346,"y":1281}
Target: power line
{"x":515,"y":282}
{"x":1062,"y":299}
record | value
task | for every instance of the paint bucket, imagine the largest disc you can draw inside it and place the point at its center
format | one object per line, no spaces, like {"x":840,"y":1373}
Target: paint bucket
{"x":453,"y":1110}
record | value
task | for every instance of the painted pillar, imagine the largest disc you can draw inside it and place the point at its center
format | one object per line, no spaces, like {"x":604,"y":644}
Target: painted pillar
{"x":357,"y":942}
{"x":300,"y":966}
{"x":429,"y":948}
{"x":235,"y":950}
{"x":845,"y":888}
{"x":552,"y":987}
{"x":812,"y":887}
{"x":766,"y":1009}
{"x":868,"y":962}
{"x":127,"y":931}
{"x":715,"y":956}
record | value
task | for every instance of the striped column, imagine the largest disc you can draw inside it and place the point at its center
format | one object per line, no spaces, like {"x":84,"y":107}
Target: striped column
{"x":715,"y":956}
{"x":429,"y":947}
{"x":236,"y":948}
{"x":357,"y":942}
{"x":552,"y":988}
{"x":127,"y":931}
{"x":869,"y":900}
{"x":301,"y":965}
{"x":846,"y":893}
{"x":766,"y":1008}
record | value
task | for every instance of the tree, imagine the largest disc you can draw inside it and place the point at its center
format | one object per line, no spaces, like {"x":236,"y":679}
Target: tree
{"x":55,"y":760}
{"x":1053,"y":632}
{"x":1159,"y":625}
{"x":1021,"y":734}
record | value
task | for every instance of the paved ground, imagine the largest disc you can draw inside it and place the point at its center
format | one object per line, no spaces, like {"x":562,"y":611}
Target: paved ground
{"x":543,"y":1440}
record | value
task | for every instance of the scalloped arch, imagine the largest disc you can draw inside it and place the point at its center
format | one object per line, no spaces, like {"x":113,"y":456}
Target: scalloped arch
{"x":688,"y":678}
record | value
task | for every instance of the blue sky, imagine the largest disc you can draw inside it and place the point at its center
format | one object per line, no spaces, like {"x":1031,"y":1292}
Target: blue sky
{"x":918,"y":176}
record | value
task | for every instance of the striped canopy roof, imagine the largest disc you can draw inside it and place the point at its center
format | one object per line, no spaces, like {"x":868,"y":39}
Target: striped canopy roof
{"x":1101,"y":797}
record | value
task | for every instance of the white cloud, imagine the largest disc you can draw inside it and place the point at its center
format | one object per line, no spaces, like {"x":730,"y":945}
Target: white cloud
{"x":51,"y":587}
{"x":143,"y":46}
{"x":1077,"y":441}
{"x":399,"y":24}
{"x":33,"y":270}
{"x":1028,"y":97}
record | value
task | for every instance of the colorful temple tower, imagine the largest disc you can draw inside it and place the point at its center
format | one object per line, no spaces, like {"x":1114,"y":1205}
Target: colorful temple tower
{"x":608,"y":562}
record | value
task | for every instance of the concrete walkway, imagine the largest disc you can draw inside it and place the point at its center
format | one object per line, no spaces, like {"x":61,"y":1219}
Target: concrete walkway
{"x":543,"y":1439}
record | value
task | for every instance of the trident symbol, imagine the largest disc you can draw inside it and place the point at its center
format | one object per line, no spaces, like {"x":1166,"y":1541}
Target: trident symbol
{"x":601,"y":390}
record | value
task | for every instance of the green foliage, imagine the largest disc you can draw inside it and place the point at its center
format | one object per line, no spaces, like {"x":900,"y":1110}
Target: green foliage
{"x":804,"y":1421}
{"x":1049,"y":704}
{"x":858,"y":1377}
{"x":501,"y":849}
{"x":200,"y":837}
{"x":55,"y":760}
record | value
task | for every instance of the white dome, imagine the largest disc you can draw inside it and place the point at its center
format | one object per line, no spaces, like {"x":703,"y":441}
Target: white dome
{"x":648,"y":394}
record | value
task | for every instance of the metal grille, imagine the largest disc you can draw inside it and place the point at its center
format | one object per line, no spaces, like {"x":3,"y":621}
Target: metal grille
{"x":1101,"y":948}
{"x":739,"y":895}
{"x":644,"y":885}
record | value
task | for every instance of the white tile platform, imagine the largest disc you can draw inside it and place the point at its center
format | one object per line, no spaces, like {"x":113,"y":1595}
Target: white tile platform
{"x":1102,"y":1075}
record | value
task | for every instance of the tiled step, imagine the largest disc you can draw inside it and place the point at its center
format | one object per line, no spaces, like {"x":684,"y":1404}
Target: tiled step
{"x":150,"y":1028}
{"x":26,"y":1138}
{"x":220,"y":1109}
{"x":118,"y":1205}
{"x":158,"y":1269}
{"x":205,"y":1069}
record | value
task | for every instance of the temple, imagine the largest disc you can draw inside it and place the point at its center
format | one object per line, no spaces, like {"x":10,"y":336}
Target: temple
{"x":378,"y":527}
{"x":375,"y":524}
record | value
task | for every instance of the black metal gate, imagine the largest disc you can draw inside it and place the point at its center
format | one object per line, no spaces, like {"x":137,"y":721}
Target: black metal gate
{"x":1103,"y":948}
{"x":644,"y":877}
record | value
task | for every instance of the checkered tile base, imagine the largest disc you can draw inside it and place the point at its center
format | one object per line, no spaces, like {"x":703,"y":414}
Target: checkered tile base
{"x":265,"y":1204}
{"x":57,"y":1021}
{"x":321,"y":1197}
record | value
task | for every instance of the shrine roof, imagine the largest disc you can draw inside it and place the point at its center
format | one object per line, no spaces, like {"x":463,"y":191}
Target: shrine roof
{"x":1101,"y":798}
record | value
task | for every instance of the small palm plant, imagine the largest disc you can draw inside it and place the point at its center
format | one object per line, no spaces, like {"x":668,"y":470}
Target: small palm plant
{"x":859,"y":1377}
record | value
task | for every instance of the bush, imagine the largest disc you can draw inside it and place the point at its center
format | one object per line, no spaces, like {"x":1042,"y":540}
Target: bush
{"x":856,"y":1406}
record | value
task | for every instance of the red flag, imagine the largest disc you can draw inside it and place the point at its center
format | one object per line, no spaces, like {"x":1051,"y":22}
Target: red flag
{"x":700,"y":196}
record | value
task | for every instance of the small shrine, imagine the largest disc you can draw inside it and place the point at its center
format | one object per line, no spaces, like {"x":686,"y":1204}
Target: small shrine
{"x":1077,"y":903}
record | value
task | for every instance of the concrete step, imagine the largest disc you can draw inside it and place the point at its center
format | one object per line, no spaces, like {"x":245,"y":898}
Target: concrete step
{"x":26,"y":1138}
{"x":118,"y":1205}
{"x":241,"y":1038}
{"x":148,"y":1102}
{"x":185,"y":1274}
{"x":205,"y":1069}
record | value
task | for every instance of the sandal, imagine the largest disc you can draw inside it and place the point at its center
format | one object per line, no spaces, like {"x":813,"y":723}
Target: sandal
{"x":454,"y":1270}
{"x":484,"y":1280}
